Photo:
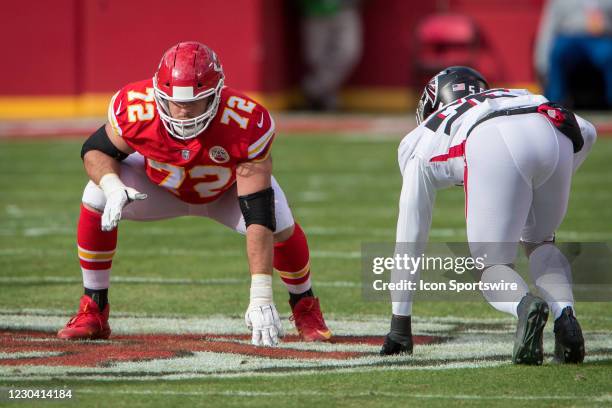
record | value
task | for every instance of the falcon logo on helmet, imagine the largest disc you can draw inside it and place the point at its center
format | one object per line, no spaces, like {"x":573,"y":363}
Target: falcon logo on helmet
{"x":188,"y":72}
{"x":447,"y":86}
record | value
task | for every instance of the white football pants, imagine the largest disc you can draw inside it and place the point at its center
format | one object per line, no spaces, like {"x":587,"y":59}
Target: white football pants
{"x":519,"y":172}
{"x":161,"y":204}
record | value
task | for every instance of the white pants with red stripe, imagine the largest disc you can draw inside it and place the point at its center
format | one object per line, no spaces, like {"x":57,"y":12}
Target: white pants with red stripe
{"x":519,"y":171}
{"x":161,"y":204}
{"x":517,"y":182}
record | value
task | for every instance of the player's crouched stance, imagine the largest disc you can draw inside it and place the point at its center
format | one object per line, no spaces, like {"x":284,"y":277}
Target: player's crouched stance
{"x":183,"y":144}
{"x":514,"y":153}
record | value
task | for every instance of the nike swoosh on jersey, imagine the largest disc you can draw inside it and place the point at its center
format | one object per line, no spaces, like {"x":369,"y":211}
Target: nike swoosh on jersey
{"x":260,"y":123}
{"x":118,"y":107}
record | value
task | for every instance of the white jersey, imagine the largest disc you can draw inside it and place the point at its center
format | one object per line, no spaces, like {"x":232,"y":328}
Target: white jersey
{"x":432,"y":156}
{"x":440,"y":139}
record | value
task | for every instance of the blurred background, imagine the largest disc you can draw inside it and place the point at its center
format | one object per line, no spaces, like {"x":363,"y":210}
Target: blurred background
{"x":65,"y":58}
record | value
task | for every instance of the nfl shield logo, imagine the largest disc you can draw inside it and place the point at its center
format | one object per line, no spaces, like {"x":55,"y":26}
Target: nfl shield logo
{"x":185,"y":154}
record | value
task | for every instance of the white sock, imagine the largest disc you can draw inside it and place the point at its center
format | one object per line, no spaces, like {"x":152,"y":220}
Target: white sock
{"x":552,"y":275}
{"x":98,"y":279}
{"x":504,"y":301}
{"x":401,"y":308}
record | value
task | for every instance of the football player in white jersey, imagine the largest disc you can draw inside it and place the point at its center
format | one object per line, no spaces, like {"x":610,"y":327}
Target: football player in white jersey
{"x":514,"y":153}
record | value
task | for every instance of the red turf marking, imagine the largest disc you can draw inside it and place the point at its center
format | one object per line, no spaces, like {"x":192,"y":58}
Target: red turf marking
{"x":160,"y":346}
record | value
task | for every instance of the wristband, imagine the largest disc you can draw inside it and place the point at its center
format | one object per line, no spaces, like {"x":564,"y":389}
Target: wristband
{"x":111,"y":182}
{"x":261,"y":290}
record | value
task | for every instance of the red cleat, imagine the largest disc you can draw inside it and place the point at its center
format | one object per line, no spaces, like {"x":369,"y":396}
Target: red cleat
{"x":88,"y":324}
{"x":309,"y":320}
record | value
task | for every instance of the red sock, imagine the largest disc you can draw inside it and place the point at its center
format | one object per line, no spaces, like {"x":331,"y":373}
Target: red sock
{"x":96,"y":249}
{"x":292,"y":260}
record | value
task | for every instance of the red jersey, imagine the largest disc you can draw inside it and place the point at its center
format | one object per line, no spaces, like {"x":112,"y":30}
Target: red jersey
{"x":198,"y":170}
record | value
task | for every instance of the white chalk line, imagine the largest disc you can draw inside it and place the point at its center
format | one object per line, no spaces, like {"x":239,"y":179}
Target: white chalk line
{"x":165,"y":251}
{"x":29,"y":354}
{"x":353,"y":394}
{"x":22,"y":280}
{"x":281,"y":373}
{"x":133,"y":323}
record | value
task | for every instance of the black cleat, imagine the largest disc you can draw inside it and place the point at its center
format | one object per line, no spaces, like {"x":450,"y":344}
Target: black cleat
{"x":569,"y":343}
{"x":528,"y":340}
{"x":399,"y":339}
{"x":396,"y":346}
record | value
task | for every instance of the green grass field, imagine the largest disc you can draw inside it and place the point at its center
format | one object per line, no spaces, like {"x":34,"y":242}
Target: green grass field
{"x":343,"y":191}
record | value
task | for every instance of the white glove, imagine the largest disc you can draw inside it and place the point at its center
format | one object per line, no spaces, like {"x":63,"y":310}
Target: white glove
{"x":265,"y":324}
{"x":118,"y":195}
{"x":261,"y":316}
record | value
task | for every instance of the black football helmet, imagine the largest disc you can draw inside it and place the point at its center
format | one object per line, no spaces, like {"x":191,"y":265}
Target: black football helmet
{"x":447,"y":86}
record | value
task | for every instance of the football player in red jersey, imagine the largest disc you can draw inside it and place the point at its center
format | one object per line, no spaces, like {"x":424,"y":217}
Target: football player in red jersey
{"x":182,"y":144}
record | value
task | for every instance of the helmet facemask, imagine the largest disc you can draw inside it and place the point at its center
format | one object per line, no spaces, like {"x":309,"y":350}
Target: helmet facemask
{"x":428,"y":103}
{"x":185,"y":129}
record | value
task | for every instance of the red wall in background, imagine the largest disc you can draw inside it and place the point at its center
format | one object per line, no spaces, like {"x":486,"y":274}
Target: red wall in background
{"x":507,"y":27}
{"x":280,"y":36}
{"x":389,"y":42}
{"x":123,"y":41}
{"x":91,"y":46}
{"x":73,"y":46}
{"x":38,"y":45}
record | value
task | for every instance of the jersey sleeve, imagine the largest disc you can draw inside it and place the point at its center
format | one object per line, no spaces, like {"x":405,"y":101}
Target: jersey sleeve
{"x":413,"y":224}
{"x":114,"y":109}
{"x":408,"y":147}
{"x":416,"y":203}
{"x":131,"y":112}
{"x":261,"y":135}
{"x":124,"y":123}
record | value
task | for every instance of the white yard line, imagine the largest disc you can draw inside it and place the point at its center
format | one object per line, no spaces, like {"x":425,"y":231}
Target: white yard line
{"x":386,"y":233}
{"x":29,"y":354}
{"x":363,"y":318}
{"x":156,"y":281}
{"x":165,"y":251}
{"x":353,"y":394}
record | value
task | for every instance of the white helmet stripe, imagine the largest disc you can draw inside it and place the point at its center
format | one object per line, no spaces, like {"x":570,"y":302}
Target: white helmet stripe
{"x":182,"y":92}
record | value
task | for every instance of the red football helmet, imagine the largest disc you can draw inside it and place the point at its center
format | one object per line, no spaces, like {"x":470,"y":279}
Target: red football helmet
{"x":188,"y":71}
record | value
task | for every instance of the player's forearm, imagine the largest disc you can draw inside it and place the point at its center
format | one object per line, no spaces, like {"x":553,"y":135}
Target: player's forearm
{"x":97,"y":164}
{"x":259,"y":244}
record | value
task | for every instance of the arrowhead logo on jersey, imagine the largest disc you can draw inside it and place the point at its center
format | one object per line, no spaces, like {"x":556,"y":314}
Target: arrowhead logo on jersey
{"x":218,"y":154}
